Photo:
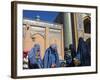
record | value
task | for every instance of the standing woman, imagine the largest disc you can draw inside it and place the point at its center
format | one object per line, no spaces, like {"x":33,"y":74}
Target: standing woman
{"x":82,"y":52}
{"x":51,"y":58}
{"x":34,"y":57}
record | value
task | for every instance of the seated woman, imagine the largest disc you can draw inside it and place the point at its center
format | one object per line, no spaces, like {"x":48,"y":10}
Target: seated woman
{"x":51,"y":58}
{"x":34,"y":57}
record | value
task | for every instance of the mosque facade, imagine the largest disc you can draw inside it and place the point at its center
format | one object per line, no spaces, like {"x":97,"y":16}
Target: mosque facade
{"x":43,"y":33}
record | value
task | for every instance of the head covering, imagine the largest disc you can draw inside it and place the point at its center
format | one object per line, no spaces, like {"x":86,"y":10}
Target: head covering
{"x":37,"y":47}
{"x":53,"y":47}
{"x":80,"y":42}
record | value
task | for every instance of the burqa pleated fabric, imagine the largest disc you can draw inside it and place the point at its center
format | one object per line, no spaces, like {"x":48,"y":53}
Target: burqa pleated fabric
{"x":51,"y":57}
{"x":82,"y":53}
{"x":34,"y":57}
{"x":88,"y":57}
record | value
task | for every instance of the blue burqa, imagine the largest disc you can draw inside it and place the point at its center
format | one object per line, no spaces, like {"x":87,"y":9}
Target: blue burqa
{"x":51,"y":57}
{"x":83,"y":53}
{"x":34,"y":56}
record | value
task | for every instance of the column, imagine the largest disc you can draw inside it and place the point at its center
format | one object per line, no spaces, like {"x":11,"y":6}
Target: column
{"x":67,"y":30}
{"x":47,"y":37}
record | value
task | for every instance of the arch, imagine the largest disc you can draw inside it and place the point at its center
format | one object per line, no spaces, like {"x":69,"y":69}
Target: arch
{"x":87,"y":24}
{"x":38,"y":34}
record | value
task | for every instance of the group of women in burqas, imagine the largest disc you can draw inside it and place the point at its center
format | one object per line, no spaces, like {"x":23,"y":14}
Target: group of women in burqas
{"x":50,"y":60}
{"x":81,"y":57}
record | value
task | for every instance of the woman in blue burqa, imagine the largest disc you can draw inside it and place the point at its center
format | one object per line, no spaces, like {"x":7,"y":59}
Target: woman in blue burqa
{"x":82,"y":53}
{"x":34,"y":58}
{"x":51,"y":58}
